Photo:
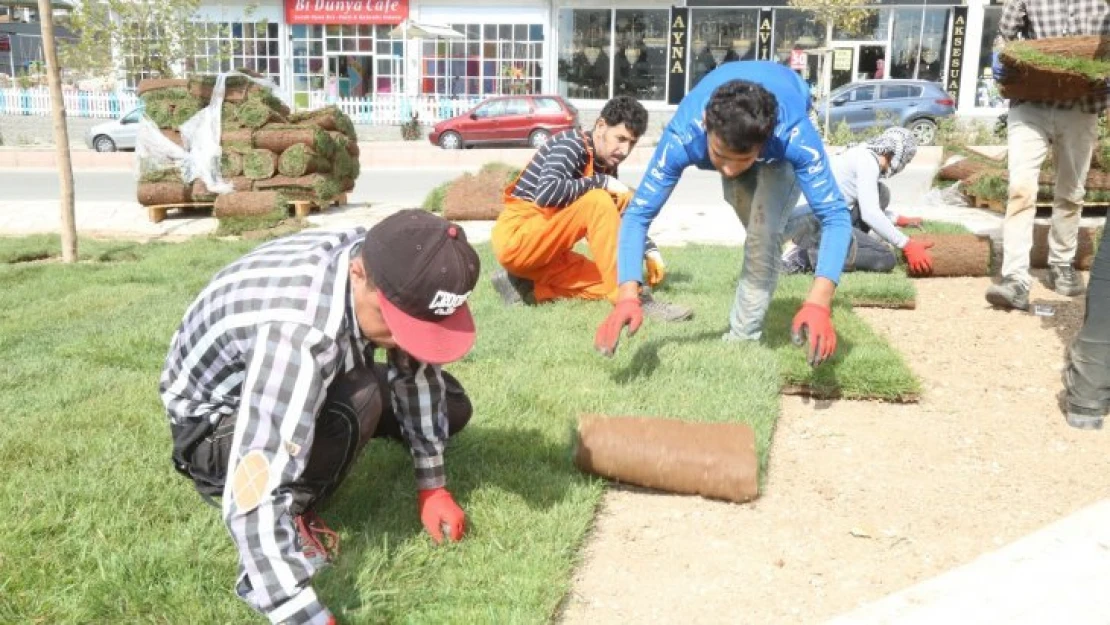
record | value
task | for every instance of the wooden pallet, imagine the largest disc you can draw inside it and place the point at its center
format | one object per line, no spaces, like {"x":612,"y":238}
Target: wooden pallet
{"x":301,"y":208}
{"x":1043,"y":208}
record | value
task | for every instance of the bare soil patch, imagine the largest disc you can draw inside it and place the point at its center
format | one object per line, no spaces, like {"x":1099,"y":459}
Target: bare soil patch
{"x":864,"y":498}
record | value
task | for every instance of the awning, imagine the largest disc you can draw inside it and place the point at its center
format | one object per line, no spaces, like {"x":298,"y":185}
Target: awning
{"x":409,"y":29}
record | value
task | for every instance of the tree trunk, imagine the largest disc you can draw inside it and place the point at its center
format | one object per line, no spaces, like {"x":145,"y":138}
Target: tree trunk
{"x":61,"y":133}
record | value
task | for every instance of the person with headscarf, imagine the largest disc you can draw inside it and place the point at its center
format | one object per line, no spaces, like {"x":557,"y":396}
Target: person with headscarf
{"x":859,"y":171}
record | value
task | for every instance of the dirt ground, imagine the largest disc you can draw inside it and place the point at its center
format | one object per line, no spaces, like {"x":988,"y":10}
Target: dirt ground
{"x":864,"y":499}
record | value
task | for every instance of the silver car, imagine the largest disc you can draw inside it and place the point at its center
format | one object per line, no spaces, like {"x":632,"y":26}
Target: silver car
{"x":914,"y":104}
{"x":119,"y":134}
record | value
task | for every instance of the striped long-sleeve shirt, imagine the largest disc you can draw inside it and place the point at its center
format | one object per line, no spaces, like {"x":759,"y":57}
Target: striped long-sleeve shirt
{"x":555,"y":177}
{"x":262,"y":342}
{"x":1042,"y":19}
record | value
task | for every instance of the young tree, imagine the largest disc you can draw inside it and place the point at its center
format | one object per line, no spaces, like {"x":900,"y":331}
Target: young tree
{"x":154,"y":38}
{"x":847,"y":15}
{"x":61,"y":134}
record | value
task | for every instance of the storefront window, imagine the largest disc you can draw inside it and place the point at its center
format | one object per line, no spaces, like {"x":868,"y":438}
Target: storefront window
{"x":490,"y":59}
{"x":584,"y":47}
{"x":797,"y":30}
{"x":919,"y":43}
{"x":362,"y":58}
{"x":235,"y":45}
{"x":986,"y":92}
{"x":640,"y":62}
{"x":719,"y":36}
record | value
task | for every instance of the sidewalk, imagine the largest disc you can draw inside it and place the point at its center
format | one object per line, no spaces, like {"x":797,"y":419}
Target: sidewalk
{"x":1059,"y":574}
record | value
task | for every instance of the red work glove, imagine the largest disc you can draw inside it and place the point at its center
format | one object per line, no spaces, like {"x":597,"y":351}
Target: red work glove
{"x":918,"y":257}
{"x":628,"y":312}
{"x":813,"y":324}
{"x":439,"y":512}
{"x":908,"y":222}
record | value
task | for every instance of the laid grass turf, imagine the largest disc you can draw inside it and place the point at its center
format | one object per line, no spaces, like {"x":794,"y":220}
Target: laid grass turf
{"x":101,"y":529}
{"x":1091,"y":68}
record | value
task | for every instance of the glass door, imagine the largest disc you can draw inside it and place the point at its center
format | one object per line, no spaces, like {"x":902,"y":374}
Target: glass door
{"x":870,"y":61}
{"x":349,"y":76}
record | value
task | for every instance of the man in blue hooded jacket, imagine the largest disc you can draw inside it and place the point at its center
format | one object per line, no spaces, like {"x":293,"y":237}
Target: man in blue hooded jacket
{"x":749,"y":121}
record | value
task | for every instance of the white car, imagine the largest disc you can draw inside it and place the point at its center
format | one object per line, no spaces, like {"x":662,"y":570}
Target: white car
{"x":119,"y":134}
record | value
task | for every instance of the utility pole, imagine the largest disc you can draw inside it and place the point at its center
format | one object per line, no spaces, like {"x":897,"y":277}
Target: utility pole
{"x":61,"y":133}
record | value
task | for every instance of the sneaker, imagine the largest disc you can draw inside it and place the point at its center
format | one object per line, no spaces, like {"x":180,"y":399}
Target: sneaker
{"x":1085,"y":418}
{"x":318,"y":542}
{"x":1009,"y":294}
{"x":662,"y":311}
{"x":513,"y":290}
{"x":1064,"y":280}
{"x":795,"y":260}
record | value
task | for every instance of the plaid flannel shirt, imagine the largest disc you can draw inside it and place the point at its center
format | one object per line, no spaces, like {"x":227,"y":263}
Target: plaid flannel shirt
{"x":1042,"y":19}
{"x":263,"y":342}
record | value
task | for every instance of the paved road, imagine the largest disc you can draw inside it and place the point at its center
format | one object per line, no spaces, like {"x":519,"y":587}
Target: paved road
{"x":392,"y":186}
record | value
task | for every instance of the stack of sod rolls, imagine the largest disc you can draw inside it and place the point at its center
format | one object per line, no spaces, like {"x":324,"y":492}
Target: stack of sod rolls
{"x":269,"y":155}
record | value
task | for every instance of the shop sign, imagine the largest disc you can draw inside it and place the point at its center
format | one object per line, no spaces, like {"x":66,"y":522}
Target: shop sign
{"x":956,"y":53}
{"x":676,"y":64}
{"x":798,"y":59}
{"x":346,"y":11}
{"x":842,"y":60}
{"x":763,"y":44}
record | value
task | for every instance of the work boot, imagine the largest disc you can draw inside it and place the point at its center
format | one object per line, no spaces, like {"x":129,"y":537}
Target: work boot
{"x":662,"y":311}
{"x":1064,"y":280}
{"x":513,"y":290}
{"x":1009,"y":294}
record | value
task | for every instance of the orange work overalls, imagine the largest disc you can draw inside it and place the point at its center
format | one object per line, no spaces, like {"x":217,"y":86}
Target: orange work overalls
{"x":537,"y":243}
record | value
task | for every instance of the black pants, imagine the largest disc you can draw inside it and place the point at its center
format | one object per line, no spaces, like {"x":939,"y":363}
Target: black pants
{"x":1087,"y":375}
{"x":358,"y":407}
{"x":866,"y":253}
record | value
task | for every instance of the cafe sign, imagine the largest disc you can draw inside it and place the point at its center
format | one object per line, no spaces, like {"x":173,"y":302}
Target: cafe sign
{"x":346,"y":11}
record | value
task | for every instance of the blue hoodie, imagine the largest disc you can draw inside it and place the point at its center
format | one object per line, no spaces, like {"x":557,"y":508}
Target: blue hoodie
{"x":684,"y":143}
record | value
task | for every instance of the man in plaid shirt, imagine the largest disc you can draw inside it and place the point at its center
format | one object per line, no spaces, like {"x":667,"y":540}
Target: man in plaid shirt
{"x":1070,"y":128}
{"x":271,"y":388}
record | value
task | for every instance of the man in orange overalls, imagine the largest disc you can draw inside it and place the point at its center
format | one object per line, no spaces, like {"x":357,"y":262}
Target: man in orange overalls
{"x":568,"y":191}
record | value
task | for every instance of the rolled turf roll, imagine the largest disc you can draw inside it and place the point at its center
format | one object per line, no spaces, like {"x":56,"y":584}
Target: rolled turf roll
{"x":249,"y":204}
{"x":958,"y":255}
{"x":473,"y":197}
{"x":241,"y":141}
{"x":300,"y":159}
{"x":259,"y":164}
{"x":162,"y":86}
{"x":314,"y":186}
{"x":231,"y":164}
{"x":715,"y":460}
{"x":1084,"y":253}
{"x":156,"y":193}
{"x":280,"y":137}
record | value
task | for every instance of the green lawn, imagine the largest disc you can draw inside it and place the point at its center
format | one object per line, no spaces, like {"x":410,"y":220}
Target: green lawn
{"x":101,"y":529}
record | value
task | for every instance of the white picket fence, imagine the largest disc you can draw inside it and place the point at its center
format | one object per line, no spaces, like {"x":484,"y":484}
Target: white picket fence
{"x":78,"y":103}
{"x":390,"y":110}
{"x":378,"y":110}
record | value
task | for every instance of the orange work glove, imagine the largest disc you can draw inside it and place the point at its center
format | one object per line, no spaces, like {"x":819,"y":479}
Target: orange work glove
{"x":813,"y":325}
{"x":627,"y":312}
{"x":654,"y":268}
{"x":439,"y":512}
{"x":918,"y":257}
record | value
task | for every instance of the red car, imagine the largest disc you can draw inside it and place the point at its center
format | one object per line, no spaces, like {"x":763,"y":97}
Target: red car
{"x":524,"y":119}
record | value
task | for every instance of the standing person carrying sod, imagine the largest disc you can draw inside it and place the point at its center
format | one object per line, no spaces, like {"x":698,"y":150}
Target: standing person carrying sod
{"x":272,"y":391}
{"x":1070,"y":128}
{"x":749,"y":121}
{"x":570,"y":191}
{"x":858,"y":173}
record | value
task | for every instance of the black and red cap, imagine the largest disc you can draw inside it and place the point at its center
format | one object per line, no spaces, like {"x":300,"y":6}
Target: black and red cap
{"x":424,"y":270}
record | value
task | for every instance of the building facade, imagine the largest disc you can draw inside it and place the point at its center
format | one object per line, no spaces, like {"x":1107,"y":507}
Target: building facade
{"x":589,"y":51}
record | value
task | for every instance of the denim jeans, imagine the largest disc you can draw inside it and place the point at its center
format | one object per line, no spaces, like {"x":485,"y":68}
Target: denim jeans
{"x":763,"y":198}
{"x":1087,"y":375}
{"x":866,"y":252}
